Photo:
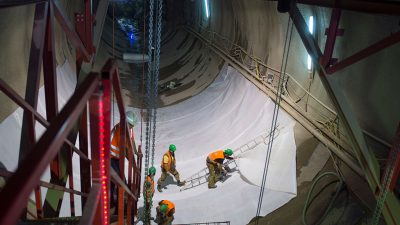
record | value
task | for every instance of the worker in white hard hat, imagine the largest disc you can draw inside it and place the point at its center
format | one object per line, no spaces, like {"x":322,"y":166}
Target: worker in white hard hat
{"x":115,"y":144}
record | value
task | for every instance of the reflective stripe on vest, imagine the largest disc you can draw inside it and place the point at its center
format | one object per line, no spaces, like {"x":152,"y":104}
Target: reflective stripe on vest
{"x":115,"y":142}
{"x":216,"y":155}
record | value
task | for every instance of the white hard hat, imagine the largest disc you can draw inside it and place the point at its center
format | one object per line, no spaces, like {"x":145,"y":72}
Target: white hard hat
{"x":131,"y":118}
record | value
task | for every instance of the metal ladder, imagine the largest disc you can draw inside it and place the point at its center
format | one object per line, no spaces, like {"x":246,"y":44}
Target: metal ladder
{"x":201,"y":177}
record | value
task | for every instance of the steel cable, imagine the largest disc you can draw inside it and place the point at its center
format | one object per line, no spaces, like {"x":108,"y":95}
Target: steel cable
{"x":275,"y":116}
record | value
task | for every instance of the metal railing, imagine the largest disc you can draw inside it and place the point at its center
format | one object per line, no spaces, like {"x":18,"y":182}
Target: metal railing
{"x":90,"y":99}
{"x":323,"y":114}
{"x":338,"y":145}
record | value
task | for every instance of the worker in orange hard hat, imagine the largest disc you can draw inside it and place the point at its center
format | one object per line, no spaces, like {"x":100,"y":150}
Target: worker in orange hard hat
{"x":165,"y":212}
{"x":215,"y":161}
{"x":114,"y":149}
{"x":148,"y":193}
{"x":168,"y":165}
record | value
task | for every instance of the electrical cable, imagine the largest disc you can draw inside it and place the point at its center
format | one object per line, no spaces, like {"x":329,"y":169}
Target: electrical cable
{"x":328,"y":209}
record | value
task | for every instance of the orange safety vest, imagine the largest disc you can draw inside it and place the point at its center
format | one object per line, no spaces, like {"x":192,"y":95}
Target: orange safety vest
{"x":167,"y":159}
{"x":170,"y":206}
{"x":219,"y":154}
{"x":151,"y":181}
{"x":115,"y":135}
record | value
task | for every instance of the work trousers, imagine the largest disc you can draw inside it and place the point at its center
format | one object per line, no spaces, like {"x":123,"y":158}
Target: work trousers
{"x":214,"y":173}
{"x":164,"y":174}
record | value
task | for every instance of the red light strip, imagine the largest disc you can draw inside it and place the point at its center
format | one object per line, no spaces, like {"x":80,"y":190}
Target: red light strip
{"x":103,"y":163}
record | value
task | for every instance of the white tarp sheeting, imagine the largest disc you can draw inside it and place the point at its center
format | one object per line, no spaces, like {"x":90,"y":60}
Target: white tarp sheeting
{"x":228,"y":114}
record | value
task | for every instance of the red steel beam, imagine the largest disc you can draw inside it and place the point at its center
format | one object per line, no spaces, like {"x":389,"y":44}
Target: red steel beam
{"x":331,"y":38}
{"x":50,"y":88}
{"x":49,"y":69}
{"x":383,"y":7}
{"x":84,"y":165}
{"x":5,"y":173}
{"x":28,"y":132}
{"x":89,"y":210}
{"x":68,"y":28}
{"x":89,"y":19}
{"x":374,"y":48}
{"x":98,"y":139}
{"x":39,"y":206}
{"x":366,"y":160}
{"x":70,"y":181}
{"x":7,"y":90}
{"x":107,"y":73}
{"x":20,"y":185}
{"x":28,"y":136}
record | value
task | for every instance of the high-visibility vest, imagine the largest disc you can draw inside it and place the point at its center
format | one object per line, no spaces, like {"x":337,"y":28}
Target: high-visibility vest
{"x":169,"y":204}
{"x":115,"y":135}
{"x":167,"y":159}
{"x":219,"y":154}
{"x":150,"y":181}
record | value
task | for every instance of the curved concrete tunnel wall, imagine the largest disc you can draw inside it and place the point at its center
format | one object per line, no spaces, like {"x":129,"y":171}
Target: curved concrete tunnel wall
{"x":370,"y":85}
{"x":256,"y":26}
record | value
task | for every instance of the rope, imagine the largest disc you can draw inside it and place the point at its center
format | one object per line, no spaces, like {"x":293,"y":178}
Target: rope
{"x":275,"y":117}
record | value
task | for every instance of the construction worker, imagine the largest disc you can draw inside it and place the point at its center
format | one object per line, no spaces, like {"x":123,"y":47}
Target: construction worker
{"x":215,"y":161}
{"x":115,"y":144}
{"x":148,"y":193}
{"x":165,"y":212}
{"x":168,"y":165}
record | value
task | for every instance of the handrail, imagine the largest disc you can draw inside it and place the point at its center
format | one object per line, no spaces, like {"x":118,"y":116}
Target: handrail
{"x":330,"y":140}
{"x":260,"y":62}
{"x":115,"y":177}
{"x":89,"y":210}
{"x":110,"y":75}
{"x":7,"y":90}
{"x":331,"y":123}
{"x":7,"y":174}
{"x":295,"y":106}
{"x":26,"y":178}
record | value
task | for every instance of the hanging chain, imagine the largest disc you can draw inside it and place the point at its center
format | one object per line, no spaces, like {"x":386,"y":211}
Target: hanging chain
{"x":156,"y":76}
{"x":149,"y":109}
{"x":148,"y":87}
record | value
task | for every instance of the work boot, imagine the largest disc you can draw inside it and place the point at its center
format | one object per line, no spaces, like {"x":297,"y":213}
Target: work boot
{"x":212,"y":186}
{"x":159,"y":188}
{"x":181,"y":183}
